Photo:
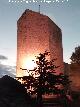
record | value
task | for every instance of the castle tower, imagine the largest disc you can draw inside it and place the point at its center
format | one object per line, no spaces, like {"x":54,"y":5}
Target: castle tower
{"x":37,"y":33}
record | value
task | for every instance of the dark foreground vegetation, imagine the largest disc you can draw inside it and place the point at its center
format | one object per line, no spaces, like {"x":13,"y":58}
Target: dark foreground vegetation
{"x":48,"y":80}
{"x":13,"y":94}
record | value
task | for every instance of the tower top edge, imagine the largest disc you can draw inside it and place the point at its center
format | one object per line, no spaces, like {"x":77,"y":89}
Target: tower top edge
{"x":28,"y":11}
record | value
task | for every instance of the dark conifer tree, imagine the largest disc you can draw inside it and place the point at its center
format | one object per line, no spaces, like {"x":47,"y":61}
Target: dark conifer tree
{"x":47,"y":81}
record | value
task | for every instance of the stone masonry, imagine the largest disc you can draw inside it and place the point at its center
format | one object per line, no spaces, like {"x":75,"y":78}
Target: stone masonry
{"x":37,"y":33}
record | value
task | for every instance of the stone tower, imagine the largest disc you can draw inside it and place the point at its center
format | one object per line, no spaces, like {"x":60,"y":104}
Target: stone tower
{"x":37,"y":33}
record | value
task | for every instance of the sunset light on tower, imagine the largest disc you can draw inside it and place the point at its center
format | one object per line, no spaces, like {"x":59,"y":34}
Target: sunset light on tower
{"x":37,"y":33}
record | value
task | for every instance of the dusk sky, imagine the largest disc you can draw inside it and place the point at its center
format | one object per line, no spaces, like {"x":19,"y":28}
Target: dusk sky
{"x":65,"y":13}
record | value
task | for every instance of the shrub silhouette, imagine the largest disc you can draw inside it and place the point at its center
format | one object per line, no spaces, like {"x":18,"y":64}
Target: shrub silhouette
{"x":13,"y":93}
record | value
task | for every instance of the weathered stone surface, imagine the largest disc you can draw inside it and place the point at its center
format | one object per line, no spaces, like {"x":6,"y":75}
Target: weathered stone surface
{"x":75,"y":77}
{"x":37,"y":33}
{"x":73,"y":70}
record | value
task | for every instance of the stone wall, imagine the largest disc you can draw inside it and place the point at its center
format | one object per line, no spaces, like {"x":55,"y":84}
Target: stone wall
{"x":75,"y":77}
{"x":37,"y":33}
{"x":73,"y":70}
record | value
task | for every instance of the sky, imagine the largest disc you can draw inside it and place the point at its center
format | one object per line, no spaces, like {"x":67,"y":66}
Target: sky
{"x":65,"y":13}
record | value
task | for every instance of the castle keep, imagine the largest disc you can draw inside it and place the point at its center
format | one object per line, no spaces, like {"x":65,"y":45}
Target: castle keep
{"x":37,"y":33}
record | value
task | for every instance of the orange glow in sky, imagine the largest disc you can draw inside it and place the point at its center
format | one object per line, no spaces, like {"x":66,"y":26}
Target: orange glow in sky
{"x":28,"y":64}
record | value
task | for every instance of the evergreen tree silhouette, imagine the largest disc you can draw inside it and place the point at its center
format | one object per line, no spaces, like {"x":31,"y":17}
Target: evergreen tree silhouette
{"x":47,"y":81}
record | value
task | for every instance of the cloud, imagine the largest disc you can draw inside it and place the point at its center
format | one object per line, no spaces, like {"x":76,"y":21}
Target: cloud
{"x":2,"y":57}
{"x":7,"y":70}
